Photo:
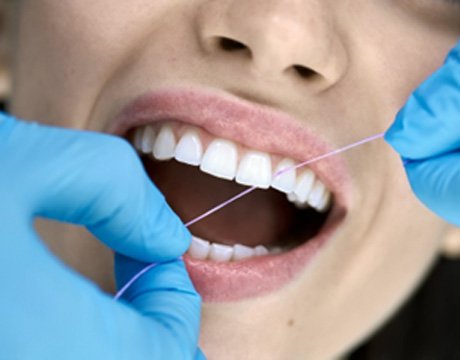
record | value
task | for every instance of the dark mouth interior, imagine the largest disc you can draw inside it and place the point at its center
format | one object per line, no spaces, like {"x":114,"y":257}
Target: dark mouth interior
{"x":264,"y":217}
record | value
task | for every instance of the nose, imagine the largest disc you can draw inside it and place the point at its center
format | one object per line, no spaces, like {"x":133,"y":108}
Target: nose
{"x":289,"y":38}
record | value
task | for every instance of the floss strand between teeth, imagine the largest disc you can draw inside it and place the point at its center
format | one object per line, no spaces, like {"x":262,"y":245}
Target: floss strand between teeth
{"x":248,"y":191}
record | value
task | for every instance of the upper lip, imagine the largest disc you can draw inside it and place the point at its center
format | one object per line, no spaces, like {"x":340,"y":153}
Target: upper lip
{"x":227,"y":116}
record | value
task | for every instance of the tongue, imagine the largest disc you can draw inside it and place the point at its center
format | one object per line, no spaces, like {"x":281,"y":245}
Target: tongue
{"x":261,"y":218}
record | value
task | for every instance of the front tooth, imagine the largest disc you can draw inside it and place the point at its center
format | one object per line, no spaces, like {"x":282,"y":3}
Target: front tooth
{"x":220,"y":159}
{"x":148,"y":140}
{"x":220,"y":252}
{"x":241,"y":252}
{"x":255,"y":170}
{"x":316,"y":194}
{"x":199,"y":249}
{"x":284,"y":182}
{"x":260,"y":250}
{"x":189,"y":149}
{"x":165,"y":144}
{"x":304,"y":185}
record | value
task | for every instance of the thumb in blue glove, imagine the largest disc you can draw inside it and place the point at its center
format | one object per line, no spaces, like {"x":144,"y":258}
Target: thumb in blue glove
{"x":47,"y":311}
{"x":427,"y":132}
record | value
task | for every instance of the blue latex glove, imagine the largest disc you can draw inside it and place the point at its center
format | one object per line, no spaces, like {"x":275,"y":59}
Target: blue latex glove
{"x":48,"y":311}
{"x":427,"y":132}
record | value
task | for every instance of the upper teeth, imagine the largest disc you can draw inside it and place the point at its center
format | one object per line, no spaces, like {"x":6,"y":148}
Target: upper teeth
{"x":222,"y":159}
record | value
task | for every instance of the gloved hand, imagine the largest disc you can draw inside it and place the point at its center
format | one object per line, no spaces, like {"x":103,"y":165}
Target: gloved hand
{"x":48,"y":311}
{"x":427,"y":132}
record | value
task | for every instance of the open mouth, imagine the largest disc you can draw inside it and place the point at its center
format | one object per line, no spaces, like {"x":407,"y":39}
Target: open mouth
{"x":195,"y":171}
{"x":258,"y":243}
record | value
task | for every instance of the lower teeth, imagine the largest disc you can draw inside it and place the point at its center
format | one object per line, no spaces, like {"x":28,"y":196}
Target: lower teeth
{"x":204,"y":250}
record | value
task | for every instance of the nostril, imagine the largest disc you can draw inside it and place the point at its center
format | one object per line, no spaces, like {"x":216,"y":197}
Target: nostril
{"x":228,"y":44}
{"x":304,"y":72}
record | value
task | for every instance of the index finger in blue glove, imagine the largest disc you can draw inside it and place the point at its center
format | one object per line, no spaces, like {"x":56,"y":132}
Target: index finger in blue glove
{"x":94,"y":180}
{"x":429,"y":123}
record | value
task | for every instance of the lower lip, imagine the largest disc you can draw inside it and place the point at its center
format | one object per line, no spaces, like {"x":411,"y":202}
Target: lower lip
{"x":234,"y":281}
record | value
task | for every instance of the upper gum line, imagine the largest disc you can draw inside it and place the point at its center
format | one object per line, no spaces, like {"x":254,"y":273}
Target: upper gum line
{"x":180,"y":129}
{"x":206,"y":138}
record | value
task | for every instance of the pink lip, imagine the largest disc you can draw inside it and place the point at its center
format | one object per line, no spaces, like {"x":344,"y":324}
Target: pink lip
{"x":259,"y":127}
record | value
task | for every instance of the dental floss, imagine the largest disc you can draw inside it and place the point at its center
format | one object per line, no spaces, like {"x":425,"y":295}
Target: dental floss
{"x":281,"y":172}
{"x":135,"y":277}
{"x":248,"y":191}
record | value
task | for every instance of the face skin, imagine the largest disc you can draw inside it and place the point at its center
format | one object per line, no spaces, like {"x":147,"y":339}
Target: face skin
{"x":78,"y":63}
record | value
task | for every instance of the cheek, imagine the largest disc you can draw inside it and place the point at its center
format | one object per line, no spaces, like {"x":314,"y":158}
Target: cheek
{"x":62,"y":64}
{"x":391,"y":52}
{"x":382,"y":254}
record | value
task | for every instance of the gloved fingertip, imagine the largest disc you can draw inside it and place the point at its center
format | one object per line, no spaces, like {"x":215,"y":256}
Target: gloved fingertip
{"x":169,"y":238}
{"x":454,"y":54}
{"x":394,"y":130}
{"x":395,"y":136}
{"x":143,"y":225}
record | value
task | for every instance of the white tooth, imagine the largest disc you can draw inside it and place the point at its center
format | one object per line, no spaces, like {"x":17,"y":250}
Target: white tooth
{"x":260,"y":250}
{"x":138,"y":134}
{"x":220,"y":252}
{"x":189,"y":149}
{"x":275,"y":250}
{"x":199,"y":249}
{"x":148,"y":140}
{"x":325,"y":202}
{"x":255,"y":170}
{"x":220,"y":159}
{"x":304,"y":185}
{"x":316,"y":194}
{"x":241,"y":252}
{"x":165,"y":144}
{"x":285,"y":182}
{"x":292,"y":197}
